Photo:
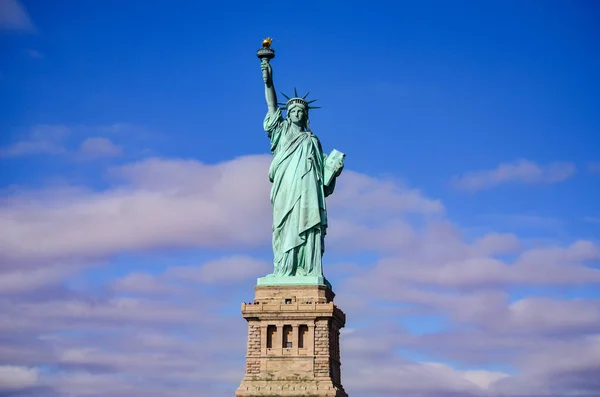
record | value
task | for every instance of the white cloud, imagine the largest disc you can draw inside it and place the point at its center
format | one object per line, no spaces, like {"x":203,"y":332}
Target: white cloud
{"x":483,"y":379}
{"x":15,"y":377}
{"x":578,"y":251}
{"x":495,"y":243}
{"x":92,"y":148}
{"x":557,"y":316}
{"x":42,"y":139}
{"x":141,"y":283}
{"x":28,"y":280}
{"x":63,"y":314}
{"x":25,"y":148}
{"x":13,"y":16}
{"x":164,"y":203}
{"x":388,"y":235}
{"x":419,"y":379}
{"x":522,"y":171}
{"x":452,"y":264}
{"x":221,"y":271}
{"x":371,"y":197}
{"x":84,"y":383}
{"x":153,"y":333}
{"x":78,"y":142}
{"x":373,"y":368}
{"x":562,"y":368}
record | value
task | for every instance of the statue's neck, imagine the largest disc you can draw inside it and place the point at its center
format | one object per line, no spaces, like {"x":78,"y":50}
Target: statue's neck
{"x":297,"y":128}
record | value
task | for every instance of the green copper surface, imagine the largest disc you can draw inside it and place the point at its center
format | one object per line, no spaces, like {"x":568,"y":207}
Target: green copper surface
{"x":302,"y":176}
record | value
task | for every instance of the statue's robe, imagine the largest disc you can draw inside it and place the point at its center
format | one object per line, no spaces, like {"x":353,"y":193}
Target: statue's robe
{"x":298,"y":198}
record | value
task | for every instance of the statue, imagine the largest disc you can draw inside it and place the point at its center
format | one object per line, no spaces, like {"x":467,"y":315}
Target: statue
{"x":302,"y":176}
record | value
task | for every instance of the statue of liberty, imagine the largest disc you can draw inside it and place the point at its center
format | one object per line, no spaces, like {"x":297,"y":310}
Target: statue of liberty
{"x":302,"y":176}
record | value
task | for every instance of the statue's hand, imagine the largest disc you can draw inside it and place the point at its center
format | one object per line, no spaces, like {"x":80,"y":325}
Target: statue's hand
{"x":267,"y":72}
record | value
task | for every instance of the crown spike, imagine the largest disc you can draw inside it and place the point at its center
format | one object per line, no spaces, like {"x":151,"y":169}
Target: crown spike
{"x":298,"y":100}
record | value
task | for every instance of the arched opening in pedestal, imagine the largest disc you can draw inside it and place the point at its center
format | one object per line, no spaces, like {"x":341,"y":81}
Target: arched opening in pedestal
{"x":287,"y":337}
{"x":302,"y":335}
{"x":271,"y":335}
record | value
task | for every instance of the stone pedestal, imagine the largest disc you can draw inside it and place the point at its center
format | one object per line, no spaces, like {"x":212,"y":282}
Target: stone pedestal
{"x":293,"y":343}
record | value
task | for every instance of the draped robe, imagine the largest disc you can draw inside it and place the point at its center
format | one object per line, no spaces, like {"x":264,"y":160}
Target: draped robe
{"x":298,"y":198}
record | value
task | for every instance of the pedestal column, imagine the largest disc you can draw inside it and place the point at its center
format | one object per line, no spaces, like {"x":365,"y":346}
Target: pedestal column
{"x":289,"y":372}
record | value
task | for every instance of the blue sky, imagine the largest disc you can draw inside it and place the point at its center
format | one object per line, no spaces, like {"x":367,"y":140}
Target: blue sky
{"x":134,"y":186}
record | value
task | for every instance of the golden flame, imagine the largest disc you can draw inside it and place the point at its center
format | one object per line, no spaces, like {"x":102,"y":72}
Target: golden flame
{"x":266,"y":43}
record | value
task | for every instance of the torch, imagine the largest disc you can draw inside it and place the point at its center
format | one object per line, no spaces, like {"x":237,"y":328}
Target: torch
{"x":266,"y":53}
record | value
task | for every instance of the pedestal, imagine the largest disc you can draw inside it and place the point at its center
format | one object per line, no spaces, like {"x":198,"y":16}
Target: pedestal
{"x":293,"y":343}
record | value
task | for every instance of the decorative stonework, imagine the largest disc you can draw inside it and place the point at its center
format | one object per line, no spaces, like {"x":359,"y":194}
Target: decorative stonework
{"x":293,"y":343}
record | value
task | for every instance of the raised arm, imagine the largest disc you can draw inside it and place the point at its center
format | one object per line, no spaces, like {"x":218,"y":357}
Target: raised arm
{"x":270,"y":94}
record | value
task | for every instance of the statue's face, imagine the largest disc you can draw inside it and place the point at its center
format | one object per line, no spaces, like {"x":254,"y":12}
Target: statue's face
{"x":297,"y":115}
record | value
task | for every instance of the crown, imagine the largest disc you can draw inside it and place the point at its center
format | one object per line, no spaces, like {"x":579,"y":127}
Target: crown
{"x":297,"y":100}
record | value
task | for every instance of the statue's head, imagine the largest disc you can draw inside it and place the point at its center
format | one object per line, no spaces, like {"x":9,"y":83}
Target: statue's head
{"x":298,"y":114}
{"x":297,"y":109}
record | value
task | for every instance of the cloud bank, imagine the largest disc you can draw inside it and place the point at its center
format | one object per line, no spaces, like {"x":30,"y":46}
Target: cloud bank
{"x":431,"y":311}
{"x":521,"y":171}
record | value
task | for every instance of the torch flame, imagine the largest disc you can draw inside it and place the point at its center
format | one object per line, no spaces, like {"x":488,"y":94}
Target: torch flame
{"x":267,"y":42}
